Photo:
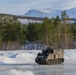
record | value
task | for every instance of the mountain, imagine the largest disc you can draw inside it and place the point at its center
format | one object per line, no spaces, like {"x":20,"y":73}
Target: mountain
{"x":48,"y":12}
{"x":36,"y":13}
{"x":72,"y":12}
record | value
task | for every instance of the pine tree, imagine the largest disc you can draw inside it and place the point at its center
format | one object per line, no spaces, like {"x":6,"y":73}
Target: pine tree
{"x":11,"y":33}
{"x":48,"y":31}
{"x":64,"y":18}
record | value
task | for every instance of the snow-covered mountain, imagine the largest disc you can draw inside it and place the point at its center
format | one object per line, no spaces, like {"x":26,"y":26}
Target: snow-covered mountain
{"x":36,"y":13}
{"x":48,"y":12}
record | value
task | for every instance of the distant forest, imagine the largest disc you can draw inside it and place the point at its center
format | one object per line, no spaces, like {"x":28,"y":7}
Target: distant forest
{"x":54,"y":32}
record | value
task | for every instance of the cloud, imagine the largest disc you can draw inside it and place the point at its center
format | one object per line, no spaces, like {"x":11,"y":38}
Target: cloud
{"x":64,"y":4}
{"x":20,"y":7}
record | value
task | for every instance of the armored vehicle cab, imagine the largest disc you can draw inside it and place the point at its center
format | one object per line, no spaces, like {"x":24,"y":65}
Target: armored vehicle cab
{"x":50,"y":56}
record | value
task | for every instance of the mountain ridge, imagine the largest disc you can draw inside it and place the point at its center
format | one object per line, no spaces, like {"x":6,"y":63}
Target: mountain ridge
{"x":48,"y":12}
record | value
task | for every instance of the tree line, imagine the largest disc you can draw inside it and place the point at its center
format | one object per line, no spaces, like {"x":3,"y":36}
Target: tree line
{"x":54,"y":32}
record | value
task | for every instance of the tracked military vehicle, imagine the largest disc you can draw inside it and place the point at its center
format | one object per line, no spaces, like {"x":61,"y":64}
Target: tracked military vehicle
{"x":50,"y":56}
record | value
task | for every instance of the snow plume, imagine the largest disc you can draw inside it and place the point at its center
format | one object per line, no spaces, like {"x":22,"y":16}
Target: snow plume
{"x":17,"y":72}
{"x":17,"y":57}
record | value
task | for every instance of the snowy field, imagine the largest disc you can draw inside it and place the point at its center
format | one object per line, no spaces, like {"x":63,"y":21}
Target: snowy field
{"x":28,"y":56}
{"x":21,"y":62}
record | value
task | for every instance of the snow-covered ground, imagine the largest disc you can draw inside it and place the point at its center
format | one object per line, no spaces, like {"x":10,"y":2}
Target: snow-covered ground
{"x":16,"y":72}
{"x":70,"y":54}
{"x":28,"y":56}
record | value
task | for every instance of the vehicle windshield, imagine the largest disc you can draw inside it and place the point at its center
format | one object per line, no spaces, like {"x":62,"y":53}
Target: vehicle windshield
{"x":47,"y":50}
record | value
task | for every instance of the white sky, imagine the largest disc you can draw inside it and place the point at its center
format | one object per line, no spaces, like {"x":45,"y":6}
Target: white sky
{"x":20,"y":7}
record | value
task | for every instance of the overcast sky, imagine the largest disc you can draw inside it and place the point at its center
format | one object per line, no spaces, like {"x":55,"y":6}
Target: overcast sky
{"x":20,"y":7}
